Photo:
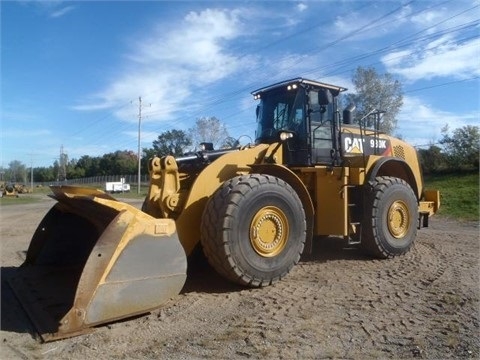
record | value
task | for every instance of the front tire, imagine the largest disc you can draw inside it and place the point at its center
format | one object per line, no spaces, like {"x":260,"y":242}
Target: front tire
{"x":390,"y":225}
{"x":254,"y":229}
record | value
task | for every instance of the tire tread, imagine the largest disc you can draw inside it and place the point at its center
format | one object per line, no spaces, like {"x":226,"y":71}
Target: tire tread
{"x":371,"y":238}
{"x":218,"y":217}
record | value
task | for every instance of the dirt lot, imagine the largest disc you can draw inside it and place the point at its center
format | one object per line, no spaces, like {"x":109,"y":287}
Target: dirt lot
{"x":335,"y":304}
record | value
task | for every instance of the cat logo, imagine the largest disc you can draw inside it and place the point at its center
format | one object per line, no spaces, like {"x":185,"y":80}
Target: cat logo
{"x":353,"y":145}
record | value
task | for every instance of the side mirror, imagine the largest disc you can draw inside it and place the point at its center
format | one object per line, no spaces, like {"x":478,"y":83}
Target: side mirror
{"x":349,"y":114}
{"x":325,"y":97}
{"x":206,"y":146}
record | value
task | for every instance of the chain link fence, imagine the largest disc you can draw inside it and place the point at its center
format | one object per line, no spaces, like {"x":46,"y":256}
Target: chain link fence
{"x":100,"y":181}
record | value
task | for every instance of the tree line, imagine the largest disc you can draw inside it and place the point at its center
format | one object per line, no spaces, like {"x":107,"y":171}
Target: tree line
{"x":124,"y":162}
{"x":456,"y":150}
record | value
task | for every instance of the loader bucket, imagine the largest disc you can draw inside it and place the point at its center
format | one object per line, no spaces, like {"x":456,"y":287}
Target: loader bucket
{"x":94,"y":260}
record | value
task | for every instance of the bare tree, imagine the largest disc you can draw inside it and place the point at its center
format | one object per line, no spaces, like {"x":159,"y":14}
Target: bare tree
{"x":209,"y":129}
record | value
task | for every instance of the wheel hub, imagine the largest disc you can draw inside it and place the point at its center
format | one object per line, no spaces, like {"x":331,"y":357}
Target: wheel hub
{"x":398,"y":219}
{"x":269,"y":231}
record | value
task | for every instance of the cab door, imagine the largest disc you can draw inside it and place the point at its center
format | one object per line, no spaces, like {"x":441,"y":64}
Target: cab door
{"x":321,"y":114}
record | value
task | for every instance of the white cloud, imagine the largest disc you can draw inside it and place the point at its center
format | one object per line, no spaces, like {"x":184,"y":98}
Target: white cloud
{"x":428,"y":18}
{"x":420,"y":123}
{"x":61,"y":12}
{"x":361,"y":25}
{"x":302,"y":7}
{"x":441,"y":58}
{"x":172,"y":65}
{"x":445,"y":43}
{"x":445,"y":16}
{"x":50,"y":8}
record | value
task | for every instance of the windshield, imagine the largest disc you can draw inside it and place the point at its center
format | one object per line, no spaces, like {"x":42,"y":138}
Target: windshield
{"x":280,"y":110}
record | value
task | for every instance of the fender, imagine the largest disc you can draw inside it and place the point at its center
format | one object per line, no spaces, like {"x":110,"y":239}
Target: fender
{"x":389,"y":166}
{"x":294,"y":181}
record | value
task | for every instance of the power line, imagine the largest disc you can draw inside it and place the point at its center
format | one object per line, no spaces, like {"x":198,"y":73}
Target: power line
{"x":260,"y":81}
{"x":443,"y":84}
{"x":227,"y":96}
{"x":215,"y":101}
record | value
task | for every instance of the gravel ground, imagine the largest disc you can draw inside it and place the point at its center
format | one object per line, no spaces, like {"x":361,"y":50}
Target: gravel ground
{"x":335,"y":304}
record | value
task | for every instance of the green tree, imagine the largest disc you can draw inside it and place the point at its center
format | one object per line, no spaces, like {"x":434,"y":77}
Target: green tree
{"x":125,"y":162}
{"x":55,"y":169}
{"x":209,"y":129}
{"x":16,"y":172}
{"x":462,"y":147}
{"x":118,"y":163}
{"x":432,"y":159}
{"x":89,"y":165}
{"x":106,"y":164}
{"x":379,"y":92}
{"x":147,"y":154}
{"x":172,"y":142}
{"x":74,"y":172}
{"x":43,"y":174}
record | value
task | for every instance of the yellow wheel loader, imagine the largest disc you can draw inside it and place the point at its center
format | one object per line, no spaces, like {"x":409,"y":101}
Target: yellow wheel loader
{"x":9,"y":190}
{"x":254,"y":210}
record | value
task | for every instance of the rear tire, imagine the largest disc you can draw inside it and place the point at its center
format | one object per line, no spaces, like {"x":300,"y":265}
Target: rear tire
{"x":390,"y":224}
{"x":253,"y":229}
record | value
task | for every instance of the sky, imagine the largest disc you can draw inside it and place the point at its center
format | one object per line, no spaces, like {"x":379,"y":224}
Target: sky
{"x":76,"y":76}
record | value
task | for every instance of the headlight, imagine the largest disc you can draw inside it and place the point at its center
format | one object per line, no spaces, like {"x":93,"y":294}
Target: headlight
{"x":285,"y":135}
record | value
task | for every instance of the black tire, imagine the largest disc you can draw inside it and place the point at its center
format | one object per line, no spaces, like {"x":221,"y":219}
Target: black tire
{"x":391,"y":215}
{"x":253,"y":229}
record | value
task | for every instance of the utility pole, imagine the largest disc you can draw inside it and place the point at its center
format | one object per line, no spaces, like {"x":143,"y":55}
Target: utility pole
{"x":139,"y":128}
{"x":62,"y":166}
{"x":31,"y":172}
{"x":139,"y":153}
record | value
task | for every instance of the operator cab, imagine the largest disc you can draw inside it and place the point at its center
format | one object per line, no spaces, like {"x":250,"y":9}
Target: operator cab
{"x":305,"y":109}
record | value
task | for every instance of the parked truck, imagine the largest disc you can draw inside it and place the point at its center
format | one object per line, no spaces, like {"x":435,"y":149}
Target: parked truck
{"x":116,"y":187}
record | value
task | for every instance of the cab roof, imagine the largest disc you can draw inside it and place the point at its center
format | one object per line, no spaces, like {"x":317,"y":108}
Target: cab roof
{"x":336,"y":89}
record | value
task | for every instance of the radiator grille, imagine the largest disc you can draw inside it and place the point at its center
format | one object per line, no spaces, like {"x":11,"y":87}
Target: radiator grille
{"x":399,"y":152}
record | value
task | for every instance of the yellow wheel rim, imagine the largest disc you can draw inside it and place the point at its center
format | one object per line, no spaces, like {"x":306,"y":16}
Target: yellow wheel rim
{"x":398,"y":219}
{"x":269,"y":231}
